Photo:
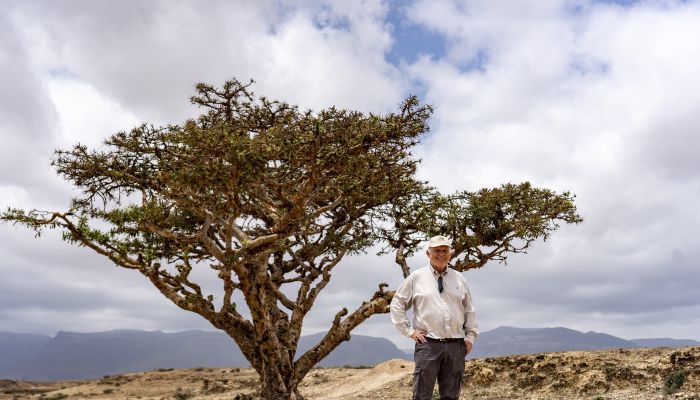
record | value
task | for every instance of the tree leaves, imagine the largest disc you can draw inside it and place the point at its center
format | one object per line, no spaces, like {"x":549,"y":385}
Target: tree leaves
{"x":485,"y":225}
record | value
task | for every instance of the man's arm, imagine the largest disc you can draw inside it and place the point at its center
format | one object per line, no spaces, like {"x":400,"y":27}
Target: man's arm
{"x":401,"y":302}
{"x":471,"y":326}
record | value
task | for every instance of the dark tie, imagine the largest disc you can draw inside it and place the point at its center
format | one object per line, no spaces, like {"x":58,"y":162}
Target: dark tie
{"x":440,"y":284}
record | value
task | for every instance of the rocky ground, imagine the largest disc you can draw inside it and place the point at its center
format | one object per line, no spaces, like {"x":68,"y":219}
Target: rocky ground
{"x":624,"y":374}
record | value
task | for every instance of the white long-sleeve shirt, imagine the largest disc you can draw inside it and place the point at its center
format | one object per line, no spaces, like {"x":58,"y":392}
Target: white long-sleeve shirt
{"x":449,"y":314}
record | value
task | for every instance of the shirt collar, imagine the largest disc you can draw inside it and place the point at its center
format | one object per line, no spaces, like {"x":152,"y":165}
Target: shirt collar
{"x":435,"y":273}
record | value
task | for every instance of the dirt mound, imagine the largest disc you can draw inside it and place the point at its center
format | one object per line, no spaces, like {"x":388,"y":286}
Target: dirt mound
{"x":394,"y":365}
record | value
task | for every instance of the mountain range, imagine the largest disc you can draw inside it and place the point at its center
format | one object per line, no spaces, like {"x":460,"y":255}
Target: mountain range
{"x":70,"y":355}
{"x":506,"y":340}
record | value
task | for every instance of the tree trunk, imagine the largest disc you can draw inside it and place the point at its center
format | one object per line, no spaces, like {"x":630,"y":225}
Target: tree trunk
{"x":277,"y":391}
{"x":276,"y":384}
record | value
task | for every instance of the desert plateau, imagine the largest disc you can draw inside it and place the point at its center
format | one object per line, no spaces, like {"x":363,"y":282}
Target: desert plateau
{"x":622,"y":374}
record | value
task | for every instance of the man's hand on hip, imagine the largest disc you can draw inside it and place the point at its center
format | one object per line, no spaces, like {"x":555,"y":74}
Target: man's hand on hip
{"x":418,"y":336}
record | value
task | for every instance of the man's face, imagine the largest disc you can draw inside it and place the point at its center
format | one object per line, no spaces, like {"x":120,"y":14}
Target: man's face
{"x":439,"y":256}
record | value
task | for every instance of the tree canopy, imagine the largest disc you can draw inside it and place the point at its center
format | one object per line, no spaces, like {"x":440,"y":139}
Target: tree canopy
{"x":272,"y":198}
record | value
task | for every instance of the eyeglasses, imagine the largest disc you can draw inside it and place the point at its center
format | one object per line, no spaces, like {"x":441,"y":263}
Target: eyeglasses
{"x":440,"y":288}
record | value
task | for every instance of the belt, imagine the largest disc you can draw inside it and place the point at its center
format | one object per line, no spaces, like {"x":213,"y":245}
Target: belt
{"x":445,"y":340}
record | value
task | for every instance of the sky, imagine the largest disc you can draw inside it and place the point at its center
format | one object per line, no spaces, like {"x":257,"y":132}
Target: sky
{"x":599,"y":98}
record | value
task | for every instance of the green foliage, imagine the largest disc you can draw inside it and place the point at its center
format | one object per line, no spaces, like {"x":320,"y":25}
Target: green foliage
{"x":674,"y":381}
{"x":486,"y":225}
{"x":291,"y":177}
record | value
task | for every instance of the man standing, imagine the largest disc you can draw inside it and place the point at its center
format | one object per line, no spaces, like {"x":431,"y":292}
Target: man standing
{"x":444,"y":322}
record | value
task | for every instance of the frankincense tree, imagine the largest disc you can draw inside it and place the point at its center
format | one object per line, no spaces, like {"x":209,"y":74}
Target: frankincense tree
{"x":272,"y":198}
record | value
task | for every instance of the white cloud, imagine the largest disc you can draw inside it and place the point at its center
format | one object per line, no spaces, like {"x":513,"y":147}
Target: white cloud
{"x":85,"y":116}
{"x":148,"y":56}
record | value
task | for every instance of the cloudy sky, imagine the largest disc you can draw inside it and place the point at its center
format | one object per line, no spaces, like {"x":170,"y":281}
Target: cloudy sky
{"x":601,"y":98}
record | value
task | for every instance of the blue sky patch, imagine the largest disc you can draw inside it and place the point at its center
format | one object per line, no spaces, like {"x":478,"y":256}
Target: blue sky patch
{"x":411,"y":39}
{"x":624,"y":3}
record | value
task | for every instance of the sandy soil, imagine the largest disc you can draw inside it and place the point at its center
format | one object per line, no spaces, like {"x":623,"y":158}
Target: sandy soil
{"x":609,"y":375}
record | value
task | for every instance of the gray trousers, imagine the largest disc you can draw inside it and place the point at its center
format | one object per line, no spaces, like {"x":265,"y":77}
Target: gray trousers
{"x":443,"y":361}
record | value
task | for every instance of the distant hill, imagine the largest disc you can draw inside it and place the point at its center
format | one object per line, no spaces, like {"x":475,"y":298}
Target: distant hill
{"x":665,"y":342}
{"x":19,"y":347}
{"x":71,"y":355}
{"x":506,"y":340}
{"x":359,"y":351}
